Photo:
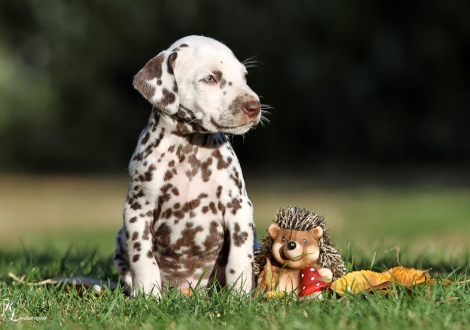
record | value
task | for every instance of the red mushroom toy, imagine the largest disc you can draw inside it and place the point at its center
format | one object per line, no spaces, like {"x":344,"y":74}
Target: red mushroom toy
{"x":310,"y":282}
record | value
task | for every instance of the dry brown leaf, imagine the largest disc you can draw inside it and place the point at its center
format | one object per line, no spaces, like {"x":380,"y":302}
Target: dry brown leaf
{"x":274,"y":294}
{"x":267,"y":280}
{"x":270,"y":279}
{"x":358,"y":281}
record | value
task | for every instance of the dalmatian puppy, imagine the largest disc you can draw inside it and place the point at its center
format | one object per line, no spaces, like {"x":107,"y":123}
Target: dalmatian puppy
{"x":187,"y":217}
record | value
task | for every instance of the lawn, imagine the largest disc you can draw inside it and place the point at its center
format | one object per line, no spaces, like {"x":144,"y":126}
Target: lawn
{"x":61,"y":226}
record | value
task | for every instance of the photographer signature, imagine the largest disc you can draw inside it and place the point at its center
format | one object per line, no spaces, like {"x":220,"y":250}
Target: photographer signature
{"x":9,"y":312}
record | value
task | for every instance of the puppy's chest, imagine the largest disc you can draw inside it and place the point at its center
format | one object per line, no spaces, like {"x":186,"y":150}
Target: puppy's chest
{"x":195,"y":185}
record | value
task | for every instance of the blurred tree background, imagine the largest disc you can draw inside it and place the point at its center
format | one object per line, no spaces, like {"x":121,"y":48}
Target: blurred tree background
{"x":368,"y":82}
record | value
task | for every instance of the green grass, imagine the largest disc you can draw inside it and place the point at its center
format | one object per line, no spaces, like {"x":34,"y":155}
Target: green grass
{"x":54,"y":227}
{"x":422,"y":307}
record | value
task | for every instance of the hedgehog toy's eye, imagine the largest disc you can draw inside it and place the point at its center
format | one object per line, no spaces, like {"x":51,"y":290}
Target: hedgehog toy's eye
{"x":305,"y":241}
{"x":283,"y":239}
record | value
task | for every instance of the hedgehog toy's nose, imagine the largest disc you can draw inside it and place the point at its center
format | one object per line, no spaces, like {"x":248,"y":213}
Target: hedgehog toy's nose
{"x":291,"y":245}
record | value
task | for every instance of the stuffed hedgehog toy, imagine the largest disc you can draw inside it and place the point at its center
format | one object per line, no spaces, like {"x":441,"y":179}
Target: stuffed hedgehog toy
{"x":296,"y":255}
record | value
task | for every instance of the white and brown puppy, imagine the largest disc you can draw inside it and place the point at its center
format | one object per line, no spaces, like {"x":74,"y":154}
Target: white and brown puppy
{"x":187,"y":214}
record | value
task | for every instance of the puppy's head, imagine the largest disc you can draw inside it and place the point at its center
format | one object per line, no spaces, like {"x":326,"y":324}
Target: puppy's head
{"x":199,"y":80}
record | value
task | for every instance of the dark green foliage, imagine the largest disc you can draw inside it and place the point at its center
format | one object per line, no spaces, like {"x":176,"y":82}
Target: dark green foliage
{"x":380,"y":82}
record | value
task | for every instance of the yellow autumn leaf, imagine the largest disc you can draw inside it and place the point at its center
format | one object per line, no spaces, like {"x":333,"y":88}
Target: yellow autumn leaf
{"x":410,"y":276}
{"x":358,"y":281}
{"x":407,"y":276}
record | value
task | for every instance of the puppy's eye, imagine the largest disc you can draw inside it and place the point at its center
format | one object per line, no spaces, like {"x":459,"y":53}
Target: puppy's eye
{"x":283,"y":239}
{"x":305,"y":241}
{"x":209,"y":79}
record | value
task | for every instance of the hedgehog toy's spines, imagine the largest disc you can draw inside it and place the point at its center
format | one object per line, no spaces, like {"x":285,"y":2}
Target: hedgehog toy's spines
{"x":297,"y":219}
{"x":263,"y":252}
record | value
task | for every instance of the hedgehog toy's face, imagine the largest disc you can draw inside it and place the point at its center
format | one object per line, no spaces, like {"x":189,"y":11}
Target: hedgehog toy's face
{"x":295,"y":249}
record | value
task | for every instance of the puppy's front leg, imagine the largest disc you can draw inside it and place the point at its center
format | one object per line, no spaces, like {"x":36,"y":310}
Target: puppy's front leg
{"x":240,"y":259}
{"x":138,"y":218}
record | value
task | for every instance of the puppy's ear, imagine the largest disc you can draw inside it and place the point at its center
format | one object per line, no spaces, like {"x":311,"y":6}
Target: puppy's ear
{"x":156,"y":82}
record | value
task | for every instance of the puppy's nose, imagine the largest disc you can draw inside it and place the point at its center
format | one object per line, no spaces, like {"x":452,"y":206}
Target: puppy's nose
{"x":252,"y":108}
{"x":291,"y":245}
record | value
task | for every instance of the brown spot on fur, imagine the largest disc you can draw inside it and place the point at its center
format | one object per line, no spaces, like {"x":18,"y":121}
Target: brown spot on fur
{"x":191,"y":205}
{"x":136,"y":206}
{"x":218,"y":75}
{"x":183,"y":45}
{"x":137,"y":246}
{"x":135,"y":235}
{"x":148,"y":174}
{"x":221,"y":163}
{"x":146,"y":138}
{"x":236,"y":178}
{"x":179,"y":153}
{"x":163,"y":234}
{"x":205,"y":209}
{"x":167,"y":214}
{"x":205,"y":170}
{"x":195,"y":164}
{"x":168,"y":98}
{"x":175,"y":191}
{"x":179,"y":214}
{"x":236,"y":106}
{"x":172,"y":163}
{"x":212,"y":207}
{"x":149,"y":254}
{"x":135,"y":258}
{"x":187,"y":148}
{"x":168,"y":175}
{"x":239,"y":237}
{"x":221,"y":208}
{"x":232,"y":271}
{"x":235,"y":205}
{"x":133,"y":219}
{"x":145,"y":234}
{"x":164,"y":189}
{"x":222,"y":83}
{"x":219,"y":192}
